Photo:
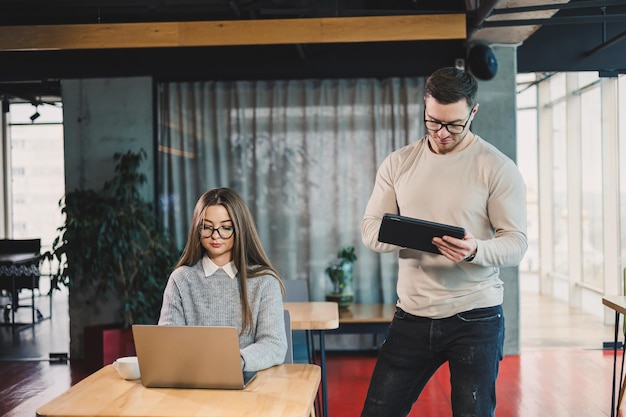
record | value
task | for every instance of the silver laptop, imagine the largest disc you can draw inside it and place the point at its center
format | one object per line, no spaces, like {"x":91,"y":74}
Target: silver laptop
{"x":189,"y":357}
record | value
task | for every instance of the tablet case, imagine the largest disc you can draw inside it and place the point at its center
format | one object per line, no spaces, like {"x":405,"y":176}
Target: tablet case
{"x":414,"y":233}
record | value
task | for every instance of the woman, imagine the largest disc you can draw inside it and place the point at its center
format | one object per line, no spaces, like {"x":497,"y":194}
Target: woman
{"x":224,"y":278}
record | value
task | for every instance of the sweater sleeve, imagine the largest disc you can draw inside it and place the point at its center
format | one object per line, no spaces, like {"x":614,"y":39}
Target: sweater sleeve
{"x":382,"y":200}
{"x":172,"y":311}
{"x":507,"y":213}
{"x":270,"y":340}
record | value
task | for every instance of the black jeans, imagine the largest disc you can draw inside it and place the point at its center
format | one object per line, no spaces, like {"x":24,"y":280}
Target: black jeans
{"x":471,"y":342}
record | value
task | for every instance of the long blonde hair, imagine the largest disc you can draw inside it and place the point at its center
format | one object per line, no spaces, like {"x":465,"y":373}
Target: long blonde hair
{"x":248,"y":254}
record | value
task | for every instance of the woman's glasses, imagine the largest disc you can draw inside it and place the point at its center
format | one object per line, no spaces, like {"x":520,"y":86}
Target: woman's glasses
{"x":224,"y":232}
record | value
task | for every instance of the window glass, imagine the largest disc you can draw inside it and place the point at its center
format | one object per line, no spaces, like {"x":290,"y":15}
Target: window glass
{"x":527,"y":163}
{"x":37,"y":171}
{"x":526,"y":93}
{"x":621,"y":120}
{"x":559,"y":199}
{"x":587,"y":77}
{"x":591,"y":166}
{"x":557,"y":86}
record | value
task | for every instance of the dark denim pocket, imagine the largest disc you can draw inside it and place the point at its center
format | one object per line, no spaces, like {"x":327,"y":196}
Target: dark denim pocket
{"x":399,"y":314}
{"x":477,"y":315}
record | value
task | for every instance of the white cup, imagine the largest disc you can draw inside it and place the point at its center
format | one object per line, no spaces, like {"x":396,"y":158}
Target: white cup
{"x":127,"y":367}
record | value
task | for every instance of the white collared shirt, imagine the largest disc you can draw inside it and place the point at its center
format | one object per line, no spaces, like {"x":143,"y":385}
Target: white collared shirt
{"x":210,"y":268}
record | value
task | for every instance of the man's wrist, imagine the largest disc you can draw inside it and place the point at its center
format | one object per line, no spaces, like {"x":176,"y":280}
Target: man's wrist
{"x":471,"y":256}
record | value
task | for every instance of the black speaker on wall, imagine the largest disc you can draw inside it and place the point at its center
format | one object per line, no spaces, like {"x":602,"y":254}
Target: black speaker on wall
{"x":482,"y":62}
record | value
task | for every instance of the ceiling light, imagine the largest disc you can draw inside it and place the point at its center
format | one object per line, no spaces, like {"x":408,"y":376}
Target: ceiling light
{"x":35,"y":115}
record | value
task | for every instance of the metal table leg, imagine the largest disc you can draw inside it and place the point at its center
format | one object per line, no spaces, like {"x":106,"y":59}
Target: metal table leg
{"x":311,"y":349}
{"x":614,"y":364}
{"x":322,"y":334}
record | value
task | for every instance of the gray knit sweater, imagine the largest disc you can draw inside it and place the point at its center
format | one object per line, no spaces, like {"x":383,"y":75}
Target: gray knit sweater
{"x":192,"y":299}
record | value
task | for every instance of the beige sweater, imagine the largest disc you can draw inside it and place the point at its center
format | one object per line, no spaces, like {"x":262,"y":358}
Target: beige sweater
{"x":478,"y":188}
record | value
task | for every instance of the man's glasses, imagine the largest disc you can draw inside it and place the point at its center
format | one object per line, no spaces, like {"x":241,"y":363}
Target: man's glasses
{"x":453,"y":128}
{"x":224,"y":232}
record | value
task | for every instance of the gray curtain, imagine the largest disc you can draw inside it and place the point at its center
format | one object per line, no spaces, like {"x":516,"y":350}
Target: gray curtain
{"x":302,"y":153}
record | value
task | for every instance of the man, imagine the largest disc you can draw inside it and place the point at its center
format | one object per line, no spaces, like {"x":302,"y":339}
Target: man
{"x":449,"y":306}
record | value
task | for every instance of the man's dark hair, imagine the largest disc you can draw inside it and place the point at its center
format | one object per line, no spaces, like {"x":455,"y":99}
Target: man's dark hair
{"x":449,"y":84}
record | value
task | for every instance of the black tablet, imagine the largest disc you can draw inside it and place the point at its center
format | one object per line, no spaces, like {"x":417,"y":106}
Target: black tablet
{"x":415,"y":233}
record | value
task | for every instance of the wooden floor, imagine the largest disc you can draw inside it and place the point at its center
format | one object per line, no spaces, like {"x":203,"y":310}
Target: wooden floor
{"x":562,"y":370}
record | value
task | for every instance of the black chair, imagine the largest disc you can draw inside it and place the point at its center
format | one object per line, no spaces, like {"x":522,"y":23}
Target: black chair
{"x":19,"y":270}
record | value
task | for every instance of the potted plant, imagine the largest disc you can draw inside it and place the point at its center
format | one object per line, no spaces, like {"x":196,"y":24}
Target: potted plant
{"x":111,"y":246}
{"x":340,"y":273}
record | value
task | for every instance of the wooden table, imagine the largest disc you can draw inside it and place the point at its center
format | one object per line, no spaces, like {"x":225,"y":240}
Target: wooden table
{"x":280,"y":391}
{"x":366,"y":318}
{"x":367,"y":314}
{"x":617,"y":303}
{"x":318,"y":316}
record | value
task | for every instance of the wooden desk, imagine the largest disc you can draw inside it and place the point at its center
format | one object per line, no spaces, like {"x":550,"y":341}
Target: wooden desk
{"x":367,"y":314}
{"x":617,"y":303}
{"x":313,"y":315}
{"x":280,"y":391}
{"x":366,"y":318}
{"x":318,"y":316}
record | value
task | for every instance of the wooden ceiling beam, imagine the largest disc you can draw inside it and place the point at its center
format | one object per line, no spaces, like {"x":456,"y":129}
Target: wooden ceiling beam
{"x":234,"y":32}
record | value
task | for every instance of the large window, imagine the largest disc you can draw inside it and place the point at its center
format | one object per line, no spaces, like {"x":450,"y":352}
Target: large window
{"x":36,"y":176}
{"x":622,"y":158}
{"x":582,"y":248}
{"x":591,"y":179}
{"x":527,"y":162}
{"x":559,"y":186}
